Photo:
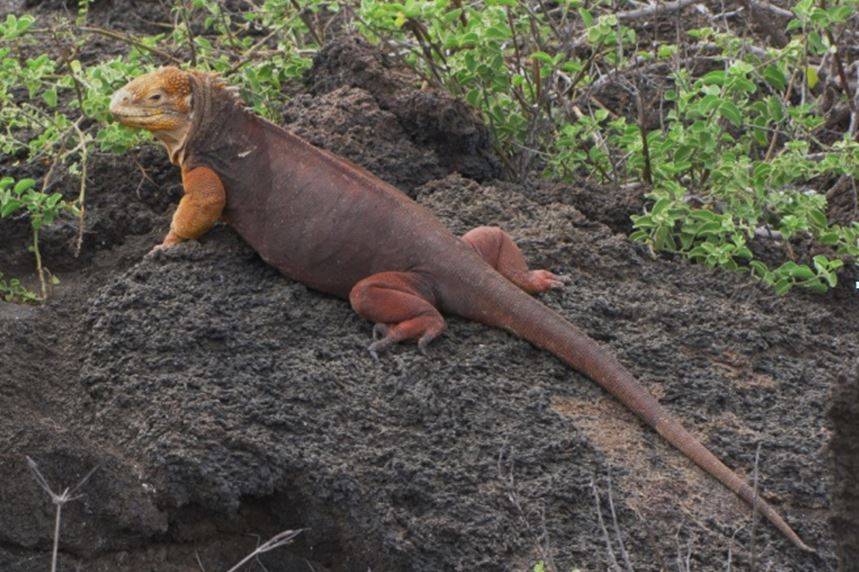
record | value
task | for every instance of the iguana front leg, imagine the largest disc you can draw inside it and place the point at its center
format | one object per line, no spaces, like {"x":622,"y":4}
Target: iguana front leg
{"x":200,"y":207}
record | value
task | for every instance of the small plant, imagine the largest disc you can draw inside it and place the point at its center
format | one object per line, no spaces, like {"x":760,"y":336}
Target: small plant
{"x":12,"y":290}
{"x":69,"y":494}
{"x":41,"y":208}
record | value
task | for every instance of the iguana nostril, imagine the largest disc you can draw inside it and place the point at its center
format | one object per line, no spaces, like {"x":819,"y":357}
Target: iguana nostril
{"x":120,"y":98}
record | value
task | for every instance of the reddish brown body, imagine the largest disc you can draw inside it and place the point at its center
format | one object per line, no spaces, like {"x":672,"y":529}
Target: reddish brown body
{"x":337,"y":228}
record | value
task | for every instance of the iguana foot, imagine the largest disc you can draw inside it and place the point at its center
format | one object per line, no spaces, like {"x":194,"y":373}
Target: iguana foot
{"x":380,"y":331}
{"x":402,"y":306}
{"x":543,"y":280}
{"x":499,"y":251}
{"x":157,"y":248}
{"x":171,"y":240}
{"x":423,"y":328}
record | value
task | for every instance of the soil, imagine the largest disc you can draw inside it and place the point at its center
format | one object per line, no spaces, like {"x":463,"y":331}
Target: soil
{"x":223,"y":403}
{"x":845,"y":455}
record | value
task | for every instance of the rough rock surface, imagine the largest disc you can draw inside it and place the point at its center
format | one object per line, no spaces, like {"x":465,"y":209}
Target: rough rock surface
{"x":350,"y":122}
{"x":432,"y":119}
{"x":845,"y":456}
{"x":221,"y":400}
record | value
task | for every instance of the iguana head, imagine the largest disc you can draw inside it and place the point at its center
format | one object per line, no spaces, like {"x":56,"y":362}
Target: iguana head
{"x":160,"y":102}
{"x":157,"y":101}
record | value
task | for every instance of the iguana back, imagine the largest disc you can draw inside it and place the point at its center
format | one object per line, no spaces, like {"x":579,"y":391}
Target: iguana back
{"x":317,"y":217}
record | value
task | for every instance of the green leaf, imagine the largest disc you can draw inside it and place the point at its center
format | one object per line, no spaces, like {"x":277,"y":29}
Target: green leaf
{"x":52,"y":200}
{"x":743,"y":252}
{"x":821,"y":262}
{"x":50,"y":97}
{"x":818,"y":218}
{"x":9,"y":207}
{"x":774,"y":108}
{"x":811,"y":76}
{"x":731,"y":112}
{"x":775,"y":77}
{"x":744,"y":85}
{"x":661,"y":205}
{"x":24,"y":185}
{"x":828,"y":238}
{"x":758,"y":268}
{"x":498,"y":33}
{"x":782,"y":286}
{"x":542,"y":57}
{"x":816,"y":285}
{"x":587,"y":17}
{"x":802,"y":272}
{"x":714,"y":78}
{"x":666,"y":51}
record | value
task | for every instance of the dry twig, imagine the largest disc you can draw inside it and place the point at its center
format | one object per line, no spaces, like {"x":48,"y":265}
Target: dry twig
{"x":654,"y":10}
{"x":82,"y":192}
{"x":276,"y":541}
{"x":68,"y":495}
{"x":131,"y":41}
{"x":623,"y":553}
{"x":755,"y":509}
{"x":611,"y":557}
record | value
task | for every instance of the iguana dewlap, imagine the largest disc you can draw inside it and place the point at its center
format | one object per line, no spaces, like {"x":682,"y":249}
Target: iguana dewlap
{"x":337,"y":228}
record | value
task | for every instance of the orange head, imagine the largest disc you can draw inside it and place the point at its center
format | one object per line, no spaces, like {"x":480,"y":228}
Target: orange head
{"x":159,"y":101}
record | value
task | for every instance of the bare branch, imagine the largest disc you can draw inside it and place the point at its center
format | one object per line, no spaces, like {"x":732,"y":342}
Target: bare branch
{"x":132,"y":41}
{"x":755,"y":509}
{"x":59,"y":500}
{"x":616,"y":526}
{"x":778,"y":11}
{"x":276,"y":541}
{"x":654,"y":10}
{"x":612,"y":558}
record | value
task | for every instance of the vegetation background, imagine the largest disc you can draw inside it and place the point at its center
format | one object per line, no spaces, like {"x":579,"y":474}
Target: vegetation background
{"x":736,"y":121}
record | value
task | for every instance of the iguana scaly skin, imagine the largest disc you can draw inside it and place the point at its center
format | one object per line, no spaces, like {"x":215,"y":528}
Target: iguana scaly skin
{"x":332,"y":225}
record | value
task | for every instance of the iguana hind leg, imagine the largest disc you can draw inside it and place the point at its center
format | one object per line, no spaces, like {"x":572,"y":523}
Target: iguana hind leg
{"x":402,"y":306}
{"x":497,"y":248}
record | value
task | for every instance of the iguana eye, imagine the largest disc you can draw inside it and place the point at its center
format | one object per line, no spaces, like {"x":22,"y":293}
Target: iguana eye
{"x":156,"y":97}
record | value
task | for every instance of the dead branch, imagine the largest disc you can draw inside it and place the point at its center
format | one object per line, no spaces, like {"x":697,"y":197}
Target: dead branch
{"x":131,"y":41}
{"x":59,"y":501}
{"x":183,"y":11}
{"x":778,"y":11}
{"x":623,"y":553}
{"x":245,"y":57}
{"x":647,"y":174}
{"x":654,"y":10}
{"x":276,"y":541}
{"x":82,"y":193}
{"x":612,"y":558}
{"x":755,"y":508}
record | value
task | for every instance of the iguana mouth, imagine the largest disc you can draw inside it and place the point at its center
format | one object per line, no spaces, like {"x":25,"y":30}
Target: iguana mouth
{"x":122,"y":115}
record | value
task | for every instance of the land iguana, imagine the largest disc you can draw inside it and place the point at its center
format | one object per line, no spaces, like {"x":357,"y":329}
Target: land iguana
{"x":337,"y":228}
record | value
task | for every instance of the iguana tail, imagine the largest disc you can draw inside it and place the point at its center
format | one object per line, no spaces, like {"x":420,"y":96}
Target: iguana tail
{"x":507,"y":307}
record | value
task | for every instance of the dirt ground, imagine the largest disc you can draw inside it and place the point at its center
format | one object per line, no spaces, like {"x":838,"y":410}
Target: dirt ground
{"x":224,"y":403}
